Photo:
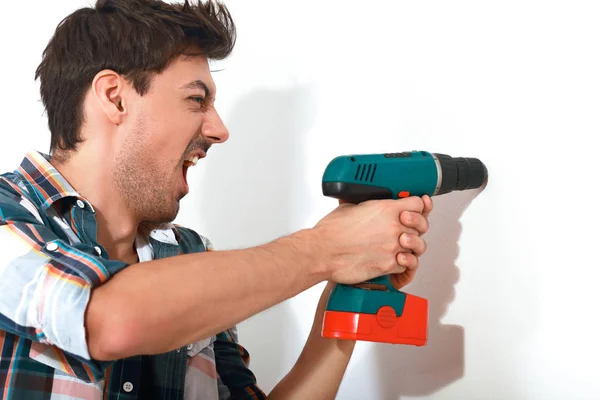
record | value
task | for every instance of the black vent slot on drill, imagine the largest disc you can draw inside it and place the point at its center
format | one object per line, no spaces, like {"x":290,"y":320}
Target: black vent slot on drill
{"x":365,"y":172}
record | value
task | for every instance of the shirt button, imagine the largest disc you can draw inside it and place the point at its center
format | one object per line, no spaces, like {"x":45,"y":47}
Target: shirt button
{"x":98,"y":250}
{"x":190,"y":346}
{"x":128,"y":387}
{"x":52,"y":247}
{"x":80,"y":204}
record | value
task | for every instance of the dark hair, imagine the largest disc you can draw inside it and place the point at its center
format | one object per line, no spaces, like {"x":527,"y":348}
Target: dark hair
{"x":135,"y":38}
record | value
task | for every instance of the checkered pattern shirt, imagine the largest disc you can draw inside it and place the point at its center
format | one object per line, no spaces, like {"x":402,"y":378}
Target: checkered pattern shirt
{"x":50,"y":262}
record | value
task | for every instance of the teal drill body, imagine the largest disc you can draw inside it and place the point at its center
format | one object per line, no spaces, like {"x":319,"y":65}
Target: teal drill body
{"x":384,"y":175}
{"x":362,"y":177}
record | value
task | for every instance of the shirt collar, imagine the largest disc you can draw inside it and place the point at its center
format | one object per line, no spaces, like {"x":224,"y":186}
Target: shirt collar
{"x":166,"y":233}
{"x":49,"y":184}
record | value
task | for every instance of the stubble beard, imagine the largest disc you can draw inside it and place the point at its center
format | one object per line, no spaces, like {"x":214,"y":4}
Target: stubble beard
{"x":142,"y":186}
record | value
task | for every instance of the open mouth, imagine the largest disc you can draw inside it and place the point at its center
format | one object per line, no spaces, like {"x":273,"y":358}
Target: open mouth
{"x":187,"y":163}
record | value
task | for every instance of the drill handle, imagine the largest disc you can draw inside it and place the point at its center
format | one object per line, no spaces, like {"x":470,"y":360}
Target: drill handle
{"x":355,"y":192}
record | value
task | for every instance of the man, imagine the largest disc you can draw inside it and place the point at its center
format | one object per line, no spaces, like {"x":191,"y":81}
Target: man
{"x":101,"y":296}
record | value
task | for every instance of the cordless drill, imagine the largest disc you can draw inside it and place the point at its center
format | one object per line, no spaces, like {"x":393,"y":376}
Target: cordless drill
{"x":374,"y":310}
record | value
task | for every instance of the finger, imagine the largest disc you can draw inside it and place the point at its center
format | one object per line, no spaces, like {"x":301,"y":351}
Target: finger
{"x":415,"y":220}
{"x":403,"y":279}
{"x":407,"y":260}
{"x":413,"y":244}
{"x":411,"y":231}
{"x":413,"y":203}
{"x":427,"y":205}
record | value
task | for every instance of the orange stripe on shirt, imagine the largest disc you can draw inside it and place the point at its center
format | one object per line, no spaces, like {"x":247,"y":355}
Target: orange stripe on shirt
{"x":32,"y":181}
{"x":60,"y":355}
{"x":89,"y":372}
{"x":2,"y":337}
{"x":251,"y":392}
{"x":35,"y":246}
{"x":61,"y":275}
{"x":36,"y":233}
{"x":73,"y":225}
{"x":103,"y":277}
{"x":107,"y":375}
{"x":37,"y":162}
{"x":15,"y":187}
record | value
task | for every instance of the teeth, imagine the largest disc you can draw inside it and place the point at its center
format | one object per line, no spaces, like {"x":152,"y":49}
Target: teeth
{"x":192,"y":160}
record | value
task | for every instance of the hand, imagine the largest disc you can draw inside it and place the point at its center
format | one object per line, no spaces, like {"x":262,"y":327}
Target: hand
{"x":413,"y":245}
{"x":360,"y":242}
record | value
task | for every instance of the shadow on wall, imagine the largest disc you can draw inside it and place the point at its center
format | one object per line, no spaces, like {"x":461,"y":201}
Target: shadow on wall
{"x":403,"y":370}
{"x":420,"y":371}
{"x":256,"y":194}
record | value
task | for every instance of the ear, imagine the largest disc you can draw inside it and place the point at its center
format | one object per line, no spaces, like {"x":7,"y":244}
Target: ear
{"x":108,"y":87}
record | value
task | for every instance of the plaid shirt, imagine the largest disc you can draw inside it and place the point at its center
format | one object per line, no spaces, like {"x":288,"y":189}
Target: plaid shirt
{"x":49,"y":264}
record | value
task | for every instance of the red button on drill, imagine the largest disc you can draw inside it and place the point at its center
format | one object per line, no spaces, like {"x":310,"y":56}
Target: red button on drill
{"x":386,"y":317}
{"x":404,"y":194}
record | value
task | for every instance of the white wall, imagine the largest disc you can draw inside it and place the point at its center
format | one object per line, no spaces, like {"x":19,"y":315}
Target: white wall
{"x":511,"y":272}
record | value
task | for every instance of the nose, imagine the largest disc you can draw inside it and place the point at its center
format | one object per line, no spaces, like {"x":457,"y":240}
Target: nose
{"x":213,"y":128}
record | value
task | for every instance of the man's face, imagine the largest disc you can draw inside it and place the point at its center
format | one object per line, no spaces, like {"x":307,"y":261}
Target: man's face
{"x":167,"y":129}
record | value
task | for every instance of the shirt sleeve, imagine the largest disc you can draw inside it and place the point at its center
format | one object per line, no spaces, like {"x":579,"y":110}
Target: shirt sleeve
{"x":233,"y":363}
{"x":45,"y":282}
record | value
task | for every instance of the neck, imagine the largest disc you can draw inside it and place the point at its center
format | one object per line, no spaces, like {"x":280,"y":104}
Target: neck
{"x":90,"y":174}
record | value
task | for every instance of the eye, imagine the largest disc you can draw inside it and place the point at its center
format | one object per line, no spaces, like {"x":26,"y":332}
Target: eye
{"x":197,"y":99}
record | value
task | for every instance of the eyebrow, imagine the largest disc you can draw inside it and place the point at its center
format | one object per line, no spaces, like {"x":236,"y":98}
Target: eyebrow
{"x":198,"y":84}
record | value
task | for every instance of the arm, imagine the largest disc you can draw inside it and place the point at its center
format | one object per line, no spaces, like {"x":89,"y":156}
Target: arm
{"x":321,"y":366}
{"x":116,"y":311}
{"x":351,"y":244}
{"x":65,"y":295}
{"x":232,"y":286}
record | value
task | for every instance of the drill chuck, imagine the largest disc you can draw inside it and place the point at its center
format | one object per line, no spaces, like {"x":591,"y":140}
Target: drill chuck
{"x":459,"y":173}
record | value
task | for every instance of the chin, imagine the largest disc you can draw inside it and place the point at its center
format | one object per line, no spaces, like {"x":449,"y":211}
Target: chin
{"x":157,"y":217}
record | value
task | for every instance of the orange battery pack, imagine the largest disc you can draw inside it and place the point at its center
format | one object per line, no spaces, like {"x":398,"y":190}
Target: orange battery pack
{"x":385,"y":326}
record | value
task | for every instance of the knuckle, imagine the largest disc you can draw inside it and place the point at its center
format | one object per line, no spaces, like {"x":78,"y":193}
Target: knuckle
{"x":391,"y":247}
{"x":419,"y":204}
{"x":412,"y":240}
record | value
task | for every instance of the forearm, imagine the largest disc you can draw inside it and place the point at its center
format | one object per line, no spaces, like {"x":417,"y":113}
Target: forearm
{"x":321,"y":366}
{"x":157,"y":306}
{"x":318,"y":372}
